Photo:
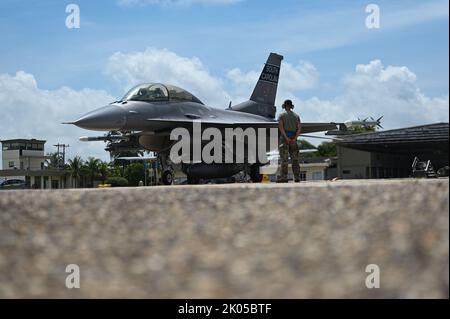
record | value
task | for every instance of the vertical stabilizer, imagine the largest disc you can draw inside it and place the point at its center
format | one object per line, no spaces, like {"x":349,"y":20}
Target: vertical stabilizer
{"x":262,"y":101}
{"x":265,"y":90}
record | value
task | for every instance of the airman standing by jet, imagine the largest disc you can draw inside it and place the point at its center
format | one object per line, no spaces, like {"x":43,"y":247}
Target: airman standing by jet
{"x":289,"y":125}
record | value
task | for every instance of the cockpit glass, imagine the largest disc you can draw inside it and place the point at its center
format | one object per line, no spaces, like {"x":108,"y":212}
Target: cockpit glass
{"x":147,"y":93}
{"x":155,"y":92}
{"x":178,"y":94}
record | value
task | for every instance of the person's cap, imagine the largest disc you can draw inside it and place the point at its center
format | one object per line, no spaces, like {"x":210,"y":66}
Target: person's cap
{"x":288,"y":103}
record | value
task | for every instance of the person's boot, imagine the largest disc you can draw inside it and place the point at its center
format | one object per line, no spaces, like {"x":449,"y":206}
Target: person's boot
{"x":297,"y":179}
{"x":281,"y":179}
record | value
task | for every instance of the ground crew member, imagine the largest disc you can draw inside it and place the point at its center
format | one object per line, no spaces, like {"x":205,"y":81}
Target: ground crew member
{"x":290,"y":126}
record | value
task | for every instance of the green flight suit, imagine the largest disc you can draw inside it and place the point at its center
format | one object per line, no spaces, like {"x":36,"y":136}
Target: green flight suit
{"x":290,"y":120}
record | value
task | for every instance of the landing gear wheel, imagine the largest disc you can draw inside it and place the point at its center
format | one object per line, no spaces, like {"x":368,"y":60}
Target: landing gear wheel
{"x":255,"y":175}
{"x":167,"y":177}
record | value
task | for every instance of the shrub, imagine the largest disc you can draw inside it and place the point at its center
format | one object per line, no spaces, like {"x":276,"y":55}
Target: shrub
{"x":117,"y":181}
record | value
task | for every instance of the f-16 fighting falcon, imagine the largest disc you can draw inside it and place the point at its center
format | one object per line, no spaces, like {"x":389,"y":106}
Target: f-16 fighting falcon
{"x":144,"y":118}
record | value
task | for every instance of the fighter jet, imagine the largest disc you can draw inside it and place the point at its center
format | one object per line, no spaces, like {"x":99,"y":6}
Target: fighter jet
{"x":145,"y":116}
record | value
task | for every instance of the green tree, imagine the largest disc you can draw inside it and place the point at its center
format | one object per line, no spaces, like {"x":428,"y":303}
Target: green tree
{"x":305,"y":145}
{"x":92,"y":168}
{"x":116,"y":170}
{"x":134,"y":173}
{"x":104,"y":171}
{"x":53,"y":160}
{"x":327,"y":149}
{"x":75,"y":167}
{"x":84,"y":174}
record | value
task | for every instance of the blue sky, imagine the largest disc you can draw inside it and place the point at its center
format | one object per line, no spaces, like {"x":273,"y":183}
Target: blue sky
{"x":330,"y":36}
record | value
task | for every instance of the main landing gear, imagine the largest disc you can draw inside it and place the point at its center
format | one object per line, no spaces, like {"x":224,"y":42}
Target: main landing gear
{"x":167,"y":177}
{"x":167,"y":170}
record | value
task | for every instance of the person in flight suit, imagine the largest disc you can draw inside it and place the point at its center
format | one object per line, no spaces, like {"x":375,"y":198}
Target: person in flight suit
{"x":290,"y":126}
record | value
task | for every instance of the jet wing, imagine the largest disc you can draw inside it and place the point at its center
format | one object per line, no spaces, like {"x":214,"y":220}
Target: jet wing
{"x":318,"y":127}
{"x":221,"y":123}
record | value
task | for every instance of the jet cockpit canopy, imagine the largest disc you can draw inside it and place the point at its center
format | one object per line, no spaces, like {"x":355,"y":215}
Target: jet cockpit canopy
{"x":157,"y":92}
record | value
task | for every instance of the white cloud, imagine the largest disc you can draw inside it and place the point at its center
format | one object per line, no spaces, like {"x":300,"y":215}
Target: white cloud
{"x":30,"y":112}
{"x":293,"y":78}
{"x":155,"y":65}
{"x":375,"y":90}
{"x":300,"y":77}
{"x":175,"y":3}
{"x":393,"y":92}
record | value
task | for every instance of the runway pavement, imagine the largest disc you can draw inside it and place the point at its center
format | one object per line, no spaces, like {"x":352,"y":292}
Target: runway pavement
{"x":307,"y":240}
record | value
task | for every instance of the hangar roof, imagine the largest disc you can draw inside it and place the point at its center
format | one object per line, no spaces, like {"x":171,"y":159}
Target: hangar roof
{"x":403,"y":140}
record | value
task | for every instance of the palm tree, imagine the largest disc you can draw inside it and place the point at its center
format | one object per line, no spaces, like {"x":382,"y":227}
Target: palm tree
{"x":103,"y":169}
{"x":75,"y":166}
{"x":92,"y":166}
{"x":53,"y":160}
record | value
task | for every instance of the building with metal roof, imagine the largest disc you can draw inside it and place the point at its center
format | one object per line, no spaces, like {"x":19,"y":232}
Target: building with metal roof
{"x":390,"y":153}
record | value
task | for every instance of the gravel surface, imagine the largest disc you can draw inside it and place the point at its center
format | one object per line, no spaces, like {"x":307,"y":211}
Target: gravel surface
{"x":228,"y":241}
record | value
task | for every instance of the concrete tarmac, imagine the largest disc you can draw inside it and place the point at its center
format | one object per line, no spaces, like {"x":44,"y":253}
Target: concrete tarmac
{"x":307,"y":240}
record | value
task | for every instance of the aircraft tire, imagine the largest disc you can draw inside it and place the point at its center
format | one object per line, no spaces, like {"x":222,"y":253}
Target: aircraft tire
{"x":167,"y":177}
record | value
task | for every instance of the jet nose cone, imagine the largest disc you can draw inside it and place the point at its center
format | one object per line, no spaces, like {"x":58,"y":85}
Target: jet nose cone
{"x":107,"y":118}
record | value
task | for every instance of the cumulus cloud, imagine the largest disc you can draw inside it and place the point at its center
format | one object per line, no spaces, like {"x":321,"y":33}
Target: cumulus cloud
{"x":155,"y":65}
{"x":30,"y":112}
{"x":302,"y":76}
{"x":293,"y":78}
{"x":392,"y":91}
{"x":175,"y":3}
{"x":375,"y":90}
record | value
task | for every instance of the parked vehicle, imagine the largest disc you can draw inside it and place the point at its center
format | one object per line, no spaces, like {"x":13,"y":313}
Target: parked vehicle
{"x":12,"y":184}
